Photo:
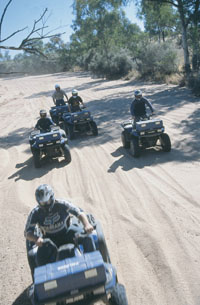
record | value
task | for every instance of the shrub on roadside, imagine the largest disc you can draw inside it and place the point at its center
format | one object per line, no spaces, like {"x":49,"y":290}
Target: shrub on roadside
{"x":156,"y":60}
{"x":111,"y":65}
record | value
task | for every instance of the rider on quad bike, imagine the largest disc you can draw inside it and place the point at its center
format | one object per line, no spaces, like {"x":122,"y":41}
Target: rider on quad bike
{"x":44,"y":123}
{"x":138,"y":106}
{"x":75,"y":101}
{"x":52,"y":217}
{"x":58,"y":96}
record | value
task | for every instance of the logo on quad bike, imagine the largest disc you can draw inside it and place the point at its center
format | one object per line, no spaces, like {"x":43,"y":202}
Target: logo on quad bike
{"x":52,"y":224}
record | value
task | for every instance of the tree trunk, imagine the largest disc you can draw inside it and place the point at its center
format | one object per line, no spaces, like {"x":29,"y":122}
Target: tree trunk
{"x":184,"y":39}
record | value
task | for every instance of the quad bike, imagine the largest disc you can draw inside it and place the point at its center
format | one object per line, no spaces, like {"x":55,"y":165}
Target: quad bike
{"x":145,"y":133}
{"x":76,"y":277}
{"x":51,"y":144}
{"x":56,"y":113}
{"x":79,"y":122}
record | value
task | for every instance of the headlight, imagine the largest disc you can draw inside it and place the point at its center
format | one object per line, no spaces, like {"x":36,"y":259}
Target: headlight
{"x":142,"y":133}
{"x":86,"y":113}
{"x":159,"y":130}
{"x":41,"y":138}
{"x":41,"y":145}
{"x":58,"y":141}
{"x":55,"y":135}
{"x":143,"y":125}
{"x":75,"y":115}
{"x":157,"y":123}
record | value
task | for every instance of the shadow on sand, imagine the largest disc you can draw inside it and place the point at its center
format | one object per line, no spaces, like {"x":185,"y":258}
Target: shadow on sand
{"x":149,"y":157}
{"x":27,"y":171}
{"x":22,"y":299}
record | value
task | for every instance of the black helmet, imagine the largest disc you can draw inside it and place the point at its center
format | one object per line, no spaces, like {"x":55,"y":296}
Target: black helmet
{"x":45,"y":197}
{"x":43,"y":113}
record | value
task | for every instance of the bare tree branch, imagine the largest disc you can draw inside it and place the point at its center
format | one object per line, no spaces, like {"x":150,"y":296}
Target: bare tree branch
{"x":31,"y":50}
{"x":28,"y":44}
{"x":12,"y":35}
{"x":2,"y":17}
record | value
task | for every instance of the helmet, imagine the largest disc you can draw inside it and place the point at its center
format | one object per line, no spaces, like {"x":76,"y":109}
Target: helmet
{"x":45,"y":197}
{"x":138,"y":93}
{"x":43,"y":113}
{"x":74,"y":92}
{"x":57,"y":86}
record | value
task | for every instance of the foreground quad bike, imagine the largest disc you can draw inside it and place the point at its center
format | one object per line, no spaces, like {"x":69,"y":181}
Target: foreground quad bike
{"x":56,"y":113}
{"x":52,"y":144}
{"x":79,"y":122}
{"x":76,"y":277}
{"x":144,"y":134}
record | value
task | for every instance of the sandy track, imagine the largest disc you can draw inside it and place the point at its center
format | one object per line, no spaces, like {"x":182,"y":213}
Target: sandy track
{"x":149,"y":207}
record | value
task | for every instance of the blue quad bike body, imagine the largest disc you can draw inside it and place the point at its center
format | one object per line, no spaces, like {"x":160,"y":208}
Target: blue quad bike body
{"x":77,"y":277}
{"x":79,"y":122}
{"x":145,"y":133}
{"x":56,"y":113}
{"x":51,"y":144}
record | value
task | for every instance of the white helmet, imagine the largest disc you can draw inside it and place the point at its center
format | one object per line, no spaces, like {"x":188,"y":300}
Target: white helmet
{"x":45,"y":197}
{"x":74,"y":92}
{"x":57,"y":86}
{"x":138,"y":93}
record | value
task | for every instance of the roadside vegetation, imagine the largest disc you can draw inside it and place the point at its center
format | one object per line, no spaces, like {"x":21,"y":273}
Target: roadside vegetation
{"x":105,"y":43}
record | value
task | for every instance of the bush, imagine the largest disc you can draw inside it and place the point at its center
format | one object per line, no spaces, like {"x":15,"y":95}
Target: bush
{"x":111,"y":65}
{"x":157,"y":60}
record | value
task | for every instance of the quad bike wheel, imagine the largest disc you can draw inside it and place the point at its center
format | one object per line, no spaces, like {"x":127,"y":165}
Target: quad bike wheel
{"x":165,"y":142}
{"x":134,"y":147}
{"x":118,"y":295}
{"x":70,"y":131}
{"x":67,"y":154}
{"x":125,"y":143}
{"x":94,"y":128}
{"x":36,"y":159}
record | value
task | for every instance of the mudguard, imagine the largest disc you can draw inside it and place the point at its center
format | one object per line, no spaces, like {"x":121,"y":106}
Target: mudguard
{"x":69,"y":277}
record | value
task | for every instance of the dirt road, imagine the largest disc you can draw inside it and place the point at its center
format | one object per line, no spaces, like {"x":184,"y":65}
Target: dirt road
{"x":149,"y":207}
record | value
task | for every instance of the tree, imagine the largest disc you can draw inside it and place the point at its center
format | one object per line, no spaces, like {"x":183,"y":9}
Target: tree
{"x":188,"y":11}
{"x":30,"y":42}
{"x":159,"y":20}
{"x":101,"y":27}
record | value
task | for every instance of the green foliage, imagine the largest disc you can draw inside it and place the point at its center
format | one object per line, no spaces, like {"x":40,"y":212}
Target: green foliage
{"x":160,"y":20}
{"x":100,"y":27}
{"x":112,"y":65}
{"x":157,"y":60}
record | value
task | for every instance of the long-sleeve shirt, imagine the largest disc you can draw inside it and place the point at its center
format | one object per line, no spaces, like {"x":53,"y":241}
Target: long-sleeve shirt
{"x":44,"y":124}
{"x":52,"y":224}
{"x":138,"y":107}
